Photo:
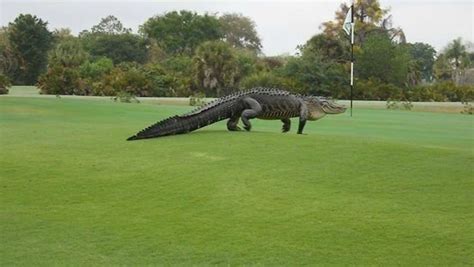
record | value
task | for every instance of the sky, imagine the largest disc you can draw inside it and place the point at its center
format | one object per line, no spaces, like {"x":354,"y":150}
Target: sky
{"x":281,"y":25}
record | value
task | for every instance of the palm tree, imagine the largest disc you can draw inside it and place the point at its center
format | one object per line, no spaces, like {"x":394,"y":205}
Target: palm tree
{"x":414,"y":73}
{"x":458,"y":56}
{"x":455,"y":52}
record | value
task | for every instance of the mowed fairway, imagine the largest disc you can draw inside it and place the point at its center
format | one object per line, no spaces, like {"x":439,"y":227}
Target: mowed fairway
{"x":383,"y":187}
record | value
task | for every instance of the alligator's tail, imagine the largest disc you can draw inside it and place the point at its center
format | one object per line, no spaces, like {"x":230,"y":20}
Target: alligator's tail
{"x":186,"y":123}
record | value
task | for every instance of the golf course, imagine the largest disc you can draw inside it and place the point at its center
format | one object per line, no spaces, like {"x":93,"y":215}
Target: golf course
{"x":382,"y":187}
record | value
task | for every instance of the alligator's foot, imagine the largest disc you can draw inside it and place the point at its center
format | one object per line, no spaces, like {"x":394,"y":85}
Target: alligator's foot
{"x":286,"y":125}
{"x":248,"y":127}
{"x":234,"y":129}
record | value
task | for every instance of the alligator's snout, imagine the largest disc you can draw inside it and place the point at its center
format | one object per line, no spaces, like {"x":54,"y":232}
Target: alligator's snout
{"x":333,"y":108}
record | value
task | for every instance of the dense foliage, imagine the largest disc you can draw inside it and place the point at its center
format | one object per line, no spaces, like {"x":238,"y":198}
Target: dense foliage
{"x":124,"y":47}
{"x":181,"y":32}
{"x":4,"y":84}
{"x":30,"y":40}
{"x":183,"y":53}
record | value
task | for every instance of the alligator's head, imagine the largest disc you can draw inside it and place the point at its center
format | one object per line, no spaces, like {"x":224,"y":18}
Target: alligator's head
{"x":318,"y":107}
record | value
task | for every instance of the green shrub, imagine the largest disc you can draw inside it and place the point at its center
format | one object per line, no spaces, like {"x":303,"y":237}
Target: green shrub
{"x":160,"y":83}
{"x":198,"y":99}
{"x":96,"y":69}
{"x":125,"y":77}
{"x":179,"y":69}
{"x":125,"y":97}
{"x":61,"y":80}
{"x":407,"y":105}
{"x":442,"y":91}
{"x":396,"y":104}
{"x":269,"y":80}
{"x":392,"y":104}
{"x":135,"y":79}
{"x":4,"y":84}
{"x":468,"y":108}
{"x":375,"y":89}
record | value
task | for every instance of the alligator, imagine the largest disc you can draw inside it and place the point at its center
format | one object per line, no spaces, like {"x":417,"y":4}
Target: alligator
{"x":261,"y":103}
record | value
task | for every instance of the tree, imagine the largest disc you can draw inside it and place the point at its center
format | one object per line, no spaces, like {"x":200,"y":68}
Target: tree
{"x":180,"y":67}
{"x":9,"y":59}
{"x":329,"y":48}
{"x":94,"y":70}
{"x":62,"y":34}
{"x":453,"y":61}
{"x":215,"y":68}
{"x":381,"y":59}
{"x":4,"y":84}
{"x":457,"y":54}
{"x":181,"y":32}
{"x":68,"y":53}
{"x":424,"y":57}
{"x":442,"y":68}
{"x":110,"y":39}
{"x":125,"y":47}
{"x":110,"y":25}
{"x":62,"y":76}
{"x":240,"y":32}
{"x":369,"y":17}
{"x":414,"y":74}
{"x":30,"y":39}
{"x":265,"y":79}
{"x":311,"y":74}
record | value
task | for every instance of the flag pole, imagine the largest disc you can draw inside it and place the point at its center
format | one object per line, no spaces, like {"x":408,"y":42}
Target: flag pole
{"x":352,"y":51}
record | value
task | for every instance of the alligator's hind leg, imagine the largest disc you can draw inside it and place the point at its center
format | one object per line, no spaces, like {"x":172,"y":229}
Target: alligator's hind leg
{"x":286,"y":125}
{"x":253,"y":111}
{"x":232,"y":123}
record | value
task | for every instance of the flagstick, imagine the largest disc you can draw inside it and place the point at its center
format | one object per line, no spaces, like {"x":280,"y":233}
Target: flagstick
{"x":352,"y":52}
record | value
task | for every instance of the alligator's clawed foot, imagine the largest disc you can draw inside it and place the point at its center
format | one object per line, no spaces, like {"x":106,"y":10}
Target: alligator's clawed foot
{"x":235,"y":129}
{"x":285,"y":129}
{"x":248,"y":128}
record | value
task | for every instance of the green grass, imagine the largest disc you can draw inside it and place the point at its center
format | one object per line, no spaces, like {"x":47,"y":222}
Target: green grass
{"x":383,"y":187}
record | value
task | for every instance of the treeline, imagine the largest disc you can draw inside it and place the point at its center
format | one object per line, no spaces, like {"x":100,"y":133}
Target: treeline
{"x":182,"y":53}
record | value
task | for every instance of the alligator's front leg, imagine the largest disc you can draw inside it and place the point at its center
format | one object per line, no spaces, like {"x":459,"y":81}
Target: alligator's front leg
{"x":286,"y":125}
{"x":303,"y":117}
{"x":254,"y":109}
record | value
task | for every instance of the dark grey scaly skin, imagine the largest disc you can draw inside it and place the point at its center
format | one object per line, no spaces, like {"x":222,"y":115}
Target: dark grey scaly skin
{"x":262,"y":103}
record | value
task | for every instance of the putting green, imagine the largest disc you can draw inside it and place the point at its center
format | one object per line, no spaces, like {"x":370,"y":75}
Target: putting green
{"x":383,"y":187}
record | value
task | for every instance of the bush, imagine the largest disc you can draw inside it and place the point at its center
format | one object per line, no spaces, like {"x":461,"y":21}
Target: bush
{"x":96,"y":69}
{"x":374,"y":89}
{"x":159,"y":82}
{"x":125,"y":97}
{"x":198,"y":99}
{"x":395,"y":104}
{"x":267,"y":79}
{"x":179,"y":69}
{"x":442,"y":91}
{"x":136,"y":80}
{"x":125,"y":77}
{"x":63,"y":76}
{"x":4,"y":84}
{"x":468,"y":108}
{"x":60,"y":80}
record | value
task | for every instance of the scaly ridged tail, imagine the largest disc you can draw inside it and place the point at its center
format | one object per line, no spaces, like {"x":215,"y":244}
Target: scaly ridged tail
{"x":185,"y":123}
